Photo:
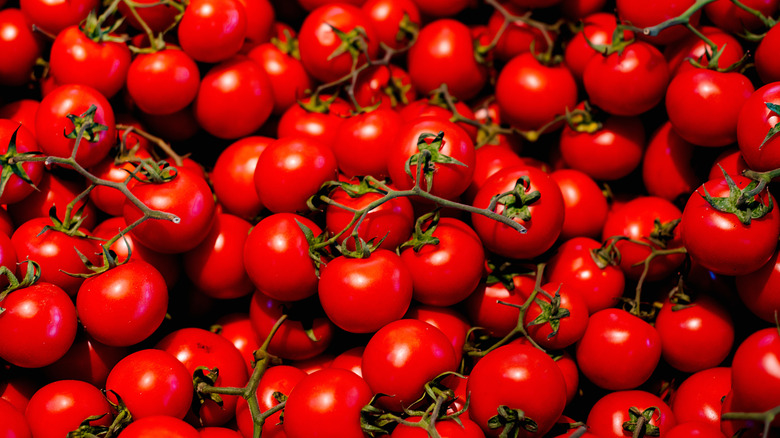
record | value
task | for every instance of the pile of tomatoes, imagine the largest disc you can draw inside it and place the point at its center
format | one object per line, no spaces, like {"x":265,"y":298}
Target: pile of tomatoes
{"x":403,"y":218}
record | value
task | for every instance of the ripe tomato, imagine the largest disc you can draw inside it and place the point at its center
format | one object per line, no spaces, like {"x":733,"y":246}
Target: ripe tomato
{"x":618,"y":350}
{"x":233,"y":176}
{"x":402,"y":357}
{"x":38,"y":325}
{"x":755,"y":380}
{"x":158,"y":17}
{"x":260,"y":19}
{"x":557,"y":332}
{"x":767,"y":66}
{"x":518,"y":37}
{"x":517,"y":376}
{"x":318,"y":119}
{"x":734,"y":19}
{"x":524,"y":79}
{"x":655,"y":12}
{"x":151,"y":382}
{"x":759,"y":290}
{"x":361,"y":141}
{"x":753,"y":126}
{"x":694,"y":428}
{"x":19,"y":46}
{"x":212,"y":30}
{"x":484,"y":310}
{"x":719,"y":241}
{"x":61,"y":406}
{"x":53,"y":191}
{"x":109,"y":199}
{"x":14,"y":423}
{"x":699,"y":397}
{"x":432,"y":107}
{"x":668,"y":154}
{"x":235,"y":98}
{"x":159,"y":425}
{"x":489,"y":159}
{"x":598,"y":29}
{"x":447,"y":428}
{"x":237,"y":328}
{"x":163,"y":82}
{"x":54,"y":16}
{"x":86,"y":360}
{"x":693,"y":47}
{"x":331,"y":399}
{"x":281,"y":379}
{"x":546,"y":214}
{"x":450,"y":321}
{"x":52,"y":124}
{"x":124,"y":305}
{"x":187,"y":196}
{"x":289,"y":80}
{"x":609,"y":414}
{"x":585,"y":207}
{"x":389,"y":86}
{"x":16,"y":188}
{"x":447,"y":44}
{"x":393,"y":20}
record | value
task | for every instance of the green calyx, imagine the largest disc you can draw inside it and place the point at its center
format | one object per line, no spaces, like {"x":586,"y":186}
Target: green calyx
{"x":663,"y":233}
{"x":552,"y":313}
{"x":424,"y":228}
{"x":639,"y":422}
{"x":774,"y":108}
{"x":512,"y":422}
{"x":619,"y":43}
{"x":32,"y":275}
{"x":86,"y":122}
{"x":288,"y":46}
{"x":407,"y":30}
{"x":429,"y":147}
{"x":316,"y":104}
{"x":93,"y":28}
{"x":517,"y":201}
{"x":744,"y":203}
{"x":13,"y":167}
{"x":352,"y":42}
{"x":205,"y":377}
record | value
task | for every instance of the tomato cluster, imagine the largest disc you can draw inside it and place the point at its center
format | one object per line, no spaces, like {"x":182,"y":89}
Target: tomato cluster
{"x":389,"y":218}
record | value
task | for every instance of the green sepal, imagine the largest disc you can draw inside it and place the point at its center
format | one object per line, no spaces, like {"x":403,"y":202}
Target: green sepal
{"x":429,"y":146}
{"x":663,"y":233}
{"x":318,"y":105}
{"x":374,"y":421}
{"x":423,"y":231}
{"x":85,"y":121}
{"x":518,"y":200}
{"x":504,"y":271}
{"x":16,"y":168}
{"x":87,"y":430}
{"x":407,"y":29}
{"x":513,"y":421}
{"x":289,"y":46}
{"x":745,"y":208}
{"x":207,"y":376}
{"x":31,"y":276}
{"x":316,"y":252}
{"x":552,"y":313}
{"x":775,"y":108}
{"x":352,"y":42}
{"x":647,"y":414}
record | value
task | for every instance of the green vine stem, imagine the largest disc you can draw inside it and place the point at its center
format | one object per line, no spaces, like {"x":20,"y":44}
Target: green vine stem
{"x":768,"y":21}
{"x":682,"y":19}
{"x":510,"y":18}
{"x":766,"y":417}
{"x":635,"y":305}
{"x":159,"y":142}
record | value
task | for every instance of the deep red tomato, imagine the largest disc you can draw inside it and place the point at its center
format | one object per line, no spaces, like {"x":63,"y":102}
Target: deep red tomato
{"x":16,"y":188}
{"x":212,"y":30}
{"x":276,"y":256}
{"x":755,"y":378}
{"x":558,"y":333}
{"x":291,"y":340}
{"x":454,"y":325}
{"x":542,"y":227}
{"x":517,"y":376}
{"x":158,"y":17}
{"x":719,"y":241}
{"x":290,"y":170}
{"x":627,"y":83}
{"x":237,"y":328}
{"x":653,"y":13}
{"x":518,"y":37}
{"x":685,"y":333}
{"x":233,"y":176}
{"x":585,"y":207}
{"x":54,"y":16}
{"x":694,"y":428}
{"x":8,"y":257}
{"x":668,"y":154}
{"x":448,"y":45}
{"x":151,"y":382}
{"x":159,"y":425}
{"x":75,"y":58}
{"x":598,"y":29}
{"x":52,"y":124}
{"x":331,"y":399}
{"x":38,"y":325}
{"x":402,"y":357}
{"x":464,"y":428}
{"x":489,"y":159}
{"x":286,"y":74}
{"x":760,"y":290}
{"x":18,"y":390}
{"x":699,"y":397}
{"x":753,"y":126}
{"x":260,"y":19}
{"x":732,"y":18}
{"x":235,"y":98}
{"x":524,"y":79}
{"x":21,"y":111}
{"x":609,"y":413}
{"x":318,"y":119}
{"x":14,"y":423}
{"x":282,"y":379}
{"x":618,"y":350}
{"x":124,"y":305}
{"x":393,"y":20}
{"x":217,"y":432}
{"x":362,"y":295}
{"x":109,"y":199}
{"x":767,"y":65}
{"x":598,"y":282}
{"x":19,"y":46}
{"x":389,"y":86}
{"x":484,"y":310}
{"x":361,"y":142}
{"x":432,"y":107}
{"x":187,"y":196}
{"x":86,"y":360}
{"x":742,"y":428}
{"x":61,"y":406}
{"x":163,"y":82}
{"x":446,"y":272}
{"x":320,"y":44}
{"x":195,"y":348}
{"x":636,"y":220}
{"x":449,"y":180}
{"x":723,"y":94}
{"x":53,"y":191}
{"x":694,"y":48}
{"x":441,"y":8}
{"x":571,"y":374}
{"x":351,"y":360}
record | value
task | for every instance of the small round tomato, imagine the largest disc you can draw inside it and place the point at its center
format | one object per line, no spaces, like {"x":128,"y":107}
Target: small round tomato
{"x":158,"y":16}
{"x":351,"y":360}
{"x":755,"y":379}
{"x":14,"y":422}
{"x":454,"y":325}
{"x":518,"y":36}
{"x":318,"y":119}
{"x":53,"y":191}
{"x":19,"y":46}
{"x":489,"y":159}
{"x":288,"y":78}
{"x":237,"y":328}
{"x":389,"y":86}
{"x":61,"y":406}
{"x":361,"y":142}
{"x":699,"y":397}
{"x":109,"y":199}
{"x":159,"y":425}
{"x":610,"y":416}
{"x":760,"y":290}
{"x":767,"y":65}
{"x":669,"y":154}
{"x":756,"y":121}
{"x":393,"y":20}
{"x":54,"y":16}
{"x":598,"y":29}
{"x":429,"y":107}
{"x":87,"y":360}
{"x":281,"y":379}
{"x":694,"y":48}
{"x":553,"y":330}
{"x":163,"y":82}
{"x":447,"y":428}
{"x":732,"y":18}
{"x":618,"y":350}
{"x":212,"y":30}
{"x":233,"y":176}
{"x":656,"y":12}
{"x":16,"y":188}
{"x":585,"y":207}
{"x":484,"y":310}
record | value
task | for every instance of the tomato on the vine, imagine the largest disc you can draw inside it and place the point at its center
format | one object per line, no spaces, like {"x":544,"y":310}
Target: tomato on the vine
{"x":616,"y":414}
{"x":212,"y":30}
{"x":15,"y":188}
{"x":759,"y":145}
{"x":61,"y":406}
{"x":163,"y":82}
{"x":19,"y":46}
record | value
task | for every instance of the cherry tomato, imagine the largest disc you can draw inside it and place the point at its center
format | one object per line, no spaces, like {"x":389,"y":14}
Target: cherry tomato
{"x":163,"y":82}
{"x":734,"y":19}
{"x":288,"y":78}
{"x":54,"y":16}
{"x":653,"y":13}
{"x":233,"y":176}
{"x":766,"y":64}
{"x":755,"y":380}
{"x":14,"y":423}
{"x":447,"y":428}
{"x":159,"y":425}
{"x":585,"y":207}
{"x":518,"y":37}
{"x":61,"y":406}
{"x":699,"y":397}
{"x":389,"y":86}
{"x":19,"y":46}
{"x":53,"y":191}
{"x":609,"y":414}
{"x":317,"y":119}
{"x":212,"y":30}
{"x":694,"y":48}
{"x":759,"y":291}
{"x":360,"y":146}
{"x":282,"y":379}
{"x":87,"y":360}
{"x":158,"y":16}
{"x":598,"y":29}
{"x":557,"y":333}
{"x":669,"y":154}
{"x":16,"y":188}
{"x":393,"y":20}
{"x":753,"y":126}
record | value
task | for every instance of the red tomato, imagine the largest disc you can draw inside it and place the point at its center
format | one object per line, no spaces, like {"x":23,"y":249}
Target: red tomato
{"x":720,"y":241}
{"x":653,"y":13}
{"x":608,"y":415}
{"x":766,"y":64}
{"x":393,"y":20}
{"x":318,"y":120}
{"x":448,"y":45}
{"x":449,"y":321}
{"x":187,"y":196}
{"x":351,"y":360}
{"x":361,"y":141}
{"x":484,"y":310}
{"x":389,"y":86}
{"x":21,"y":111}
{"x":86,"y":360}
{"x":286,"y":74}
{"x":760,"y":151}
{"x":432,"y":107}
{"x":755,"y":378}
{"x":151,"y":382}
{"x":38,"y":325}
{"x":217,"y":432}
{"x":233,"y":176}
{"x":124,"y":305}
{"x":19,"y":46}
{"x":558,"y":332}
{"x":489,"y":159}
{"x":524,"y":79}
{"x":109,"y":199}
{"x":331,"y":399}
{"x":52,"y":191}
{"x":159,"y":425}
{"x":362,"y":295}
{"x":699,"y":397}
{"x":260,"y":19}
{"x":163,"y":82}
{"x":694,"y":48}
{"x":618,"y":350}
{"x":668,"y":154}
{"x":694,"y":429}
{"x":14,"y":423}
{"x":16,"y":188}
{"x":54,"y":16}
{"x":585,"y":207}
{"x":760,"y":290}
{"x":282,"y":379}
{"x":61,"y":406}
{"x":235,"y":98}
{"x":542,"y":227}
{"x":401,"y":357}
{"x":237,"y":328}
{"x":598,"y":29}
{"x":158,"y":17}
{"x":732,"y":18}
{"x":520,"y":377}
{"x":447,"y":428}
{"x":52,"y":124}
{"x":517,"y":37}
{"x":212,"y":30}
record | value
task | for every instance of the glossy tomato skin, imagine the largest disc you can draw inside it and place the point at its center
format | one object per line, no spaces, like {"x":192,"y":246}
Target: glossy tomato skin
{"x":766,"y":64}
{"x":755,"y":121}
{"x":160,"y":425}
{"x":54,"y":16}
{"x":525,"y":79}
{"x":158,"y":17}
{"x":151,"y":382}
{"x":571,"y":327}
{"x":719,"y":241}
{"x":449,"y":271}
{"x":289,"y":80}
{"x":163,"y":82}
{"x":19,"y":47}
{"x":723,"y":94}
{"x":16,"y":189}
{"x":585,"y":207}
{"x":598,"y":29}
{"x":52,"y":191}
{"x":445,"y":428}
{"x":237,"y":328}
{"x":77,"y":59}
{"x":276,"y":256}
{"x":331,"y":399}
{"x":362,"y":295}
{"x":291,"y":341}
{"x":124,"y":305}
{"x":446,"y":43}
{"x":317,"y":40}
{"x":699,"y":397}
{"x":755,"y":381}
{"x":759,"y":290}
{"x":233,"y":176}
{"x":627,"y":84}
{"x":389,"y":86}
{"x":734,"y":19}
{"x":51,"y":121}
{"x":187,"y":196}
{"x":547,"y":214}
{"x":320,"y":125}
{"x":401,"y":357}
{"x":212,"y":30}
{"x":618,"y":350}
{"x":450,"y":321}
{"x":693,"y":47}
{"x":483,"y":309}
{"x":653,"y":13}
{"x":360,"y":146}
{"x":608,"y":414}
{"x":281,"y":378}
{"x":86,"y":360}
{"x":669,"y":154}
{"x":61,"y":406}
{"x":521,"y":377}
{"x":38,"y":324}
{"x":109,"y":199}
{"x":518,"y":37}
{"x":14,"y":423}
{"x":235,"y":98}
{"x":489,"y":159}
{"x":387,"y":16}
